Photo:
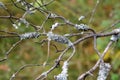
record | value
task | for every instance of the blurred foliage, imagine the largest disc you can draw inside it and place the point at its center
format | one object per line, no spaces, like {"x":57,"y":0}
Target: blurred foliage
{"x":30,"y":52}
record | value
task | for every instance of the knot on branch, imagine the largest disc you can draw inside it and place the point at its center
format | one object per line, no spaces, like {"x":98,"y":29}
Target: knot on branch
{"x":29,"y":35}
{"x":53,"y":15}
{"x":24,"y":21}
{"x":116,"y":36}
{"x":18,"y":23}
{"x":81,"y":27}
{"x":54,"y":26}
{"x":42,"y":76}
{"x":59,"y":38}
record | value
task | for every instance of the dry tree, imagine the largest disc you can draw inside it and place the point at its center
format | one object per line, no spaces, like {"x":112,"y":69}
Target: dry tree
{"x":39,"y":6}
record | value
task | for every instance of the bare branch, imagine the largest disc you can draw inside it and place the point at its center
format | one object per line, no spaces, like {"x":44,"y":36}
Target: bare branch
{"x":8,"y":52}
{"x":93,"y":11}
{"x":82,"y":30}
{"x":23,"y":67}
{"x":89,"y":72}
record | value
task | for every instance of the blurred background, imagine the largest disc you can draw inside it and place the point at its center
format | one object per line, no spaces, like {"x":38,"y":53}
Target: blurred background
{"x":30,"y":52}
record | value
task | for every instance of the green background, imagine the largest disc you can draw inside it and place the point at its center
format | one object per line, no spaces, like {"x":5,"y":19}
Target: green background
{"x":30,"y":52}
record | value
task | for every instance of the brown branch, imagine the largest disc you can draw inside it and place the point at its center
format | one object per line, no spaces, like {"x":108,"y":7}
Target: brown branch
{"x":6,"y":17}
{"x":89,"y":72}
{"x":50,"y":15}
{"x":8,"y":52}
{"x":23,"y":67}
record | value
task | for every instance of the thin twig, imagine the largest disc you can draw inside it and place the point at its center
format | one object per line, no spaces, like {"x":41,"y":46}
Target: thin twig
{"x":95,"y":46}
{"x":93,"y":11}
{"x":23,"y":67}
{"x":54,"y":66}
{"x":8,"y":52}
{"x":111,"y":27}
{"x":71,"y":54}
{"x":89,"y":72}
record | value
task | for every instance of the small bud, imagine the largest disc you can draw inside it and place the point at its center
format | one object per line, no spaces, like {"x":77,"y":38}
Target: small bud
{"x":81,"y":18}
{"x":54,"y":26}
{"x":22,"y":20}
{"x":19,"y":24}
{"x":52,"y":15}
{"x":67,"y":35}
{"x":114,"y":38}
{"x":15,"y":26}
{"x":18,"y":0}
{"x":116,"y":30}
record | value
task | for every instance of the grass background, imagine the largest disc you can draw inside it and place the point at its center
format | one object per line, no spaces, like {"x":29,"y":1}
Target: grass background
{"x":29,"y":52}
